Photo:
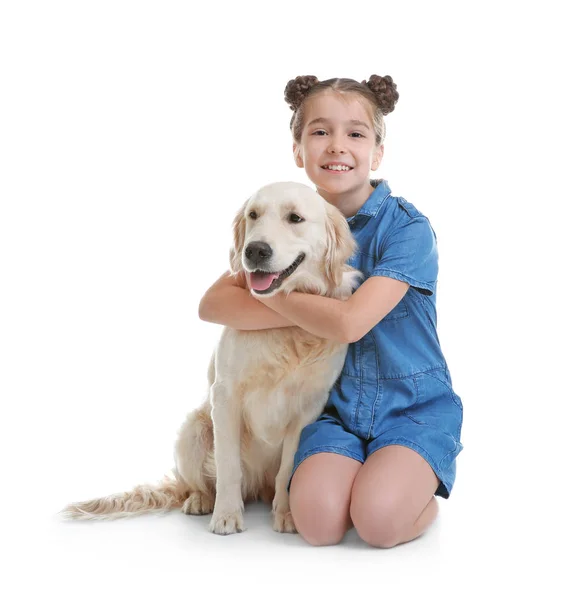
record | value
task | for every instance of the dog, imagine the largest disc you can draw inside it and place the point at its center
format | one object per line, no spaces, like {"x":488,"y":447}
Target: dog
{"x":264,"y":385}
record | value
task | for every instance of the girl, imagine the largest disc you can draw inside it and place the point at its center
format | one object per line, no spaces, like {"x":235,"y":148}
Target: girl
{"x":389,"y":436}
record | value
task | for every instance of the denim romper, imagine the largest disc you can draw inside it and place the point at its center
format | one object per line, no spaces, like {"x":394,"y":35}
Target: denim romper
{"x":395,"y":386}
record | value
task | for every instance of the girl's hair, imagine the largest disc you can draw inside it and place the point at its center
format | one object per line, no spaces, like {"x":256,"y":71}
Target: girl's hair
{"x":380,"y":92}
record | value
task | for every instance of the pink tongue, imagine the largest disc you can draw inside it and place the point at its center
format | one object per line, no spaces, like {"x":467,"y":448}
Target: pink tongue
{"x":261,"y":281}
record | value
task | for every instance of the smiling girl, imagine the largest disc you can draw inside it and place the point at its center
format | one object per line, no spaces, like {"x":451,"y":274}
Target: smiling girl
{"x":388,"y":439}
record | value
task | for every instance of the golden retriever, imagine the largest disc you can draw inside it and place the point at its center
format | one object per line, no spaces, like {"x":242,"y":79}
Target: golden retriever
{"x":264,"y":385}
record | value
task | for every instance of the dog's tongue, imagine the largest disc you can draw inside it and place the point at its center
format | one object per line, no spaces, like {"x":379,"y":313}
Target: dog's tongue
{"x":261,"y":281}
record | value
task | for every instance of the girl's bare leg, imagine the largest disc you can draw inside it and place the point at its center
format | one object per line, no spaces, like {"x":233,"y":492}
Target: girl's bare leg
{"x":392,"y":499}
{"x":320,"y":497}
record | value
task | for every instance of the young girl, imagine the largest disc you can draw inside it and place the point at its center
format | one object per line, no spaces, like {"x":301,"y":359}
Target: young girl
{"x":389,"y":436}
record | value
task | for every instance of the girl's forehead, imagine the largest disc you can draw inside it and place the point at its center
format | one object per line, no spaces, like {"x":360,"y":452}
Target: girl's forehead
{"x":337,"y":106}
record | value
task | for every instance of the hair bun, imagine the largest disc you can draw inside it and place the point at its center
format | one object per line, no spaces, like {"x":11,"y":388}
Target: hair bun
{"x":385,"y":92}
{"x":297,"y":89}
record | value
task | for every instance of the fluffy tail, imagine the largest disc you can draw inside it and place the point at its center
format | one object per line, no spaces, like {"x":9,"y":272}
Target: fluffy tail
{"x":169,"y":493}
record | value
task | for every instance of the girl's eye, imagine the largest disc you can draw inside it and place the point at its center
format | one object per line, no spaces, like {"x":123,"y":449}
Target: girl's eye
{"x":253,"y":214}
{"x":294,"y":218}
{"x":322,"y":133}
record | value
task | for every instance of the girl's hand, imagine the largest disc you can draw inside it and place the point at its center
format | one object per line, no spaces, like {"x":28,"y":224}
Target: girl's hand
{"x":229,"y":302}
{"x":247,"y":279}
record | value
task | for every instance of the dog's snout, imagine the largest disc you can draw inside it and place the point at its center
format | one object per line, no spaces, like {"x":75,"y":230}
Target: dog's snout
{"x":258,"y":252}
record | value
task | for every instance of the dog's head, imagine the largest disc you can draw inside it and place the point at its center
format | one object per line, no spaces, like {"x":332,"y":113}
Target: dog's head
{"x":287,"y":237}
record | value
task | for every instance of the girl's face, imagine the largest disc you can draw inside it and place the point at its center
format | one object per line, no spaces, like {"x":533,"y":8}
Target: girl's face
{"x":338,"y":133}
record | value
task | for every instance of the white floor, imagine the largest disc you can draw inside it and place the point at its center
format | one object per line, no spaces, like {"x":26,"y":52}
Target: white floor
{"x":475,"y":549}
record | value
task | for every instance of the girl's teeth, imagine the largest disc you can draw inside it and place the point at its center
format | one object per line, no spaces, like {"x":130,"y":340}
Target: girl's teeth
{"x":337,"y":168}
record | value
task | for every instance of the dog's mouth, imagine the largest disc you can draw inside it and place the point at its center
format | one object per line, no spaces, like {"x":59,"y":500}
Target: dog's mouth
{"x":263,"y":282}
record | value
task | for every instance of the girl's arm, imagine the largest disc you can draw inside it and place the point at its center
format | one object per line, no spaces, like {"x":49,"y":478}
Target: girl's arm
{"x":346,"y":321}
{"x":228,"y":302}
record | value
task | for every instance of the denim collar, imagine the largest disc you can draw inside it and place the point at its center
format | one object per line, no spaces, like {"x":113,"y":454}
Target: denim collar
{"x":373,"y":203}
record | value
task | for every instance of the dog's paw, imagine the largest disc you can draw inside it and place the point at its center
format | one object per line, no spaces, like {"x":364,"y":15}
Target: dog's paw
{"x":198,"y":504}
{"x":283,"y":522}
{"x":225,"y":524}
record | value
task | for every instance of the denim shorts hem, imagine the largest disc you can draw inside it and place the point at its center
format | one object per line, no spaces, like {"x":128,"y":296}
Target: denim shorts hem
{"x":316,"y":450}
{"x":445,"y":486}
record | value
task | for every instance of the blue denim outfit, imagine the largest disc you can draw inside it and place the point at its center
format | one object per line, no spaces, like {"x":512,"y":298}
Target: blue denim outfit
{"x":395,"y":386}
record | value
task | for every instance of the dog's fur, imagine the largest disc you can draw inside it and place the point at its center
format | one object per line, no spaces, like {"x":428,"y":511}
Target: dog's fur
{"x":264,"y":385}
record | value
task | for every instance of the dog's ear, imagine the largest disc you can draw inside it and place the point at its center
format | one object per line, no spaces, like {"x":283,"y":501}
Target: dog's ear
{"x":239,"y":232}
{"x":341,"y":245}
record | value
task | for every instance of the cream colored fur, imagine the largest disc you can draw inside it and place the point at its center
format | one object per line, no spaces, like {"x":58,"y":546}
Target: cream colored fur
{"x":264,"y":386}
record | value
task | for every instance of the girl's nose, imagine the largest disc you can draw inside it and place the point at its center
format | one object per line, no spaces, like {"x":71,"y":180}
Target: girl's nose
{"x":336,"y":145}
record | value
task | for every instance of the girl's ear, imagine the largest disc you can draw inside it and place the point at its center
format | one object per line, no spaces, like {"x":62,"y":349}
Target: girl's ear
{"x":341,"y":245}
{"x":377,"y":158}
{"x":239,"y":231}
{"x":297,"y":155}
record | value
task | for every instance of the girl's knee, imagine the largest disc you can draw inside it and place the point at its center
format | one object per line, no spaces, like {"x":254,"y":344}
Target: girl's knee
{"x":382,"y":524}
{"x":320,"y":520}
{"x":378,"y":519}
{"x":319,"y":497}
{"x":378,"y":531}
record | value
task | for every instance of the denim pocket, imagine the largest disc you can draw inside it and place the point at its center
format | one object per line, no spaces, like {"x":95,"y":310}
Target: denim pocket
{"x":436,"y":403}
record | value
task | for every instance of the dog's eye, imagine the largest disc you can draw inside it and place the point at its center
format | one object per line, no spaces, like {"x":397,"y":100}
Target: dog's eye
{"x":294,"y":218}
{"x":253,"y":214}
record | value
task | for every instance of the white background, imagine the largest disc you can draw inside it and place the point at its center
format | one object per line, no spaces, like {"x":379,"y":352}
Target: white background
{"x":130,"y":133}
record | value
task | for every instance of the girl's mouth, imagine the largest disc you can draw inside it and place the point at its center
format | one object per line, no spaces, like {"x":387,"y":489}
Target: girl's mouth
{"x":337,"y":169}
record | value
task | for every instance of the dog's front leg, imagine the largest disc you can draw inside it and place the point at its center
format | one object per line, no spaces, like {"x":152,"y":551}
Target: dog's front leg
{"x":227,"y":516}
{"x":282,"y":518}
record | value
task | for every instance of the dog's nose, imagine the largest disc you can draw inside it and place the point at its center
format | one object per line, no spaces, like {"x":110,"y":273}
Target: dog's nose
{"x":258,"y":252}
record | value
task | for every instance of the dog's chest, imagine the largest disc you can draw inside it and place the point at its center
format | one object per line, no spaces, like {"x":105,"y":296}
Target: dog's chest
{"x":277,"y":376}
{"x":272,"y":354}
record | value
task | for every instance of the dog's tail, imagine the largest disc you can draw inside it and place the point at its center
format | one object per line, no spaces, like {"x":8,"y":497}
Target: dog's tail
{"x":168,"y":494}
